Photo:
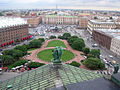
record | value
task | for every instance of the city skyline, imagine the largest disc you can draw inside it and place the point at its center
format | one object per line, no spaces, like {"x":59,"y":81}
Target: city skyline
{"x":62,"y":4}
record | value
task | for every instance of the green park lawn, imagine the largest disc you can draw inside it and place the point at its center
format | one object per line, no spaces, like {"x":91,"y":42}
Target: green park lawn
{"x":46,"y":55}
{"x":55,"y":43}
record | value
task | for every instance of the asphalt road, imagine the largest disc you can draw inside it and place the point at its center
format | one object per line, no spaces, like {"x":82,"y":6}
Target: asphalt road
{"x":88,"y":41}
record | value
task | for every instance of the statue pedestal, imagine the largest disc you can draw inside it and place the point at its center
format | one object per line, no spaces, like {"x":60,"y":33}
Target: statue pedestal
{"x":57,"y":65}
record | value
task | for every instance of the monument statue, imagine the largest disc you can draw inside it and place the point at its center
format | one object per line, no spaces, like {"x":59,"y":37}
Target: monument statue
{"x":57,"y":52}
{"x":116,"y":68}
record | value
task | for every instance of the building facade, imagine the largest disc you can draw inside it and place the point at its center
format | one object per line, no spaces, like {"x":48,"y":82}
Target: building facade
{"x":110,"y":40}
{"x":115,"y":45}
{"x":97,"y":24}
{"x":60,"y":19}
{"x":34,"y":22}
{"x":83,"y":22}
{"x":102,"y":39}
{"x":12,"y":30}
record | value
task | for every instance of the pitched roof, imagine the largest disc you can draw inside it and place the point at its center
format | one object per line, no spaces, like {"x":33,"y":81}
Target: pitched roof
{"x":44,"y":77}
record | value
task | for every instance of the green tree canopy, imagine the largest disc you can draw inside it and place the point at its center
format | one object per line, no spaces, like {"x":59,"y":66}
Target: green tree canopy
{"x":52,"y":37}
{"x":7,"y":59}
{"x":35,"y":64}
{"x":72,"y":39}
{"x":74,"y":63}
{"x":41,"y":39}
{"x":17,"y":54}
{"x":95,"y":53}
{"x":86,"y":50}
{"x":94,"y":64}
{"x":78,"y":44}
{"x":8,"y":52}
{"x":23,"y":48}
{"x":14,"y":53}
{"x":35,"y":43}
{"x":60,"y":37}
{"x":66,"y":35}
{"x":90,"y":56}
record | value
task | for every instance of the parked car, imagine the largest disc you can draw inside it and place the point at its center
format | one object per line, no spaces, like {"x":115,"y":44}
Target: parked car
{"x":94,"y":45}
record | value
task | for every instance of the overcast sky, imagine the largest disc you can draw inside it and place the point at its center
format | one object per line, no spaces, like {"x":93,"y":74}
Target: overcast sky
{"x":62,"y":4}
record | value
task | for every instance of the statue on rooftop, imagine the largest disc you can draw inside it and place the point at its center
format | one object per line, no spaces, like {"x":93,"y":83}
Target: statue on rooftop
{"x":57,"y":52}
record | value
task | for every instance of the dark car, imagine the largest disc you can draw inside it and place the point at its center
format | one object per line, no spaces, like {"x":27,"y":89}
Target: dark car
{"x":1,"y":50}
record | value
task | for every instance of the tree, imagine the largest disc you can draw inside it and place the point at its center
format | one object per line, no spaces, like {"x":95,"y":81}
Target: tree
{"x":52,"y":37}
{"x":95,"y":17}
{"x":95,"y":53}
{"x":14,"y":53}
{"x":72,"y":39}
{"x":111,"y":18}
{"x":35,"y":43}
{"x":60,"y":37}
{"x":86,"y":50}
{"x":94,"y":64}
{"x":74,"y":63}
{"x":90,"y":56}
{"x":23,"y":48}
{"x":35,"y":64}
{"x":78,"y":44}
{"x":17,"y":54}
{"x":41,"y":39}
{"x":66,"y":35}
{"x":8,"y":52}
{"x":7,"y":59}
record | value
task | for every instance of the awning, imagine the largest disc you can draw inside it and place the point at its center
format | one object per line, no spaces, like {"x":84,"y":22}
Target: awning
{"x":10,"y":42}
{"x":7,"y":43}
{"x":1,"y":45}
{"x":4,"y":44}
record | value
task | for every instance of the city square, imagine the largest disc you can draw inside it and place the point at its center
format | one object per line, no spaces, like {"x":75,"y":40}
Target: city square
{"x":59,"y":45}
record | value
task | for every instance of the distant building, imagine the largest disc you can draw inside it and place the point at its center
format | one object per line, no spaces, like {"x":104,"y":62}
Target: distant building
{"x":34,"y":22}
{"x":60,"y":19}
{"x":83,"y":22}
{"x":12,"y":30}
{"x":99,"y":24}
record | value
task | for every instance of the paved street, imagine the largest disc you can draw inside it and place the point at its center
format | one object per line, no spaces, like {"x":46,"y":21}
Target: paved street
{"x":41,"y":31}
{"x":88,"y":41}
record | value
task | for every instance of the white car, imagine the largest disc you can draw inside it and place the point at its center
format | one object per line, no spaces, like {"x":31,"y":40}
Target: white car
{"x":94,"y":45}
{"x":110,"y":56}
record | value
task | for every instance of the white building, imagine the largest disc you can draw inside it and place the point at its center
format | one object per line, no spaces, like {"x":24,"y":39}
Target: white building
{"x":115,"y":45}
{"x":99,"y":24}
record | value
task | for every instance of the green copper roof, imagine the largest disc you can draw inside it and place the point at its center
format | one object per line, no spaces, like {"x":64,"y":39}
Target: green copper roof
{"x":61,"y":15}
{"x":44,"y":77}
